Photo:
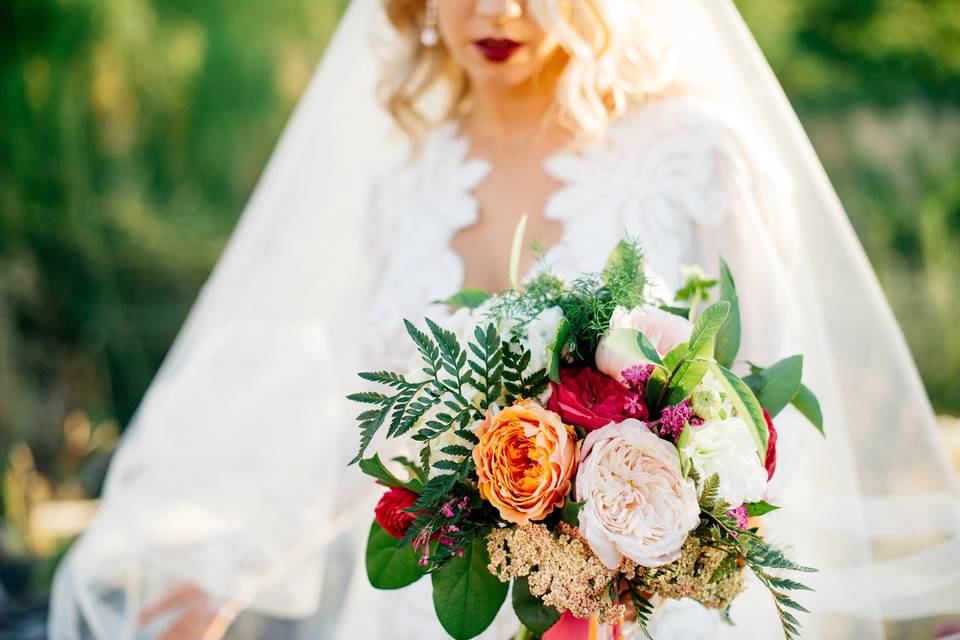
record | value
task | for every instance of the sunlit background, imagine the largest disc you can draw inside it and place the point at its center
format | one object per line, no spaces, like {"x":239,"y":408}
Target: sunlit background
{"x":133,"y":131}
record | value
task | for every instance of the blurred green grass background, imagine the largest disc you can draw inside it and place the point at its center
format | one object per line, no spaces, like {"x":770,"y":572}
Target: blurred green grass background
{"x":133,"y":131}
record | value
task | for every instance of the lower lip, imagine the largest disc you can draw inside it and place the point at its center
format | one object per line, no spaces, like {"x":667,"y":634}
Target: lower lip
{"x":498,"y":53}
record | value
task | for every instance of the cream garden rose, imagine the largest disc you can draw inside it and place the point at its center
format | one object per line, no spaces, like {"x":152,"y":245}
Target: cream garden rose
{"x":637,"y":503}
{"x":725,"y":448}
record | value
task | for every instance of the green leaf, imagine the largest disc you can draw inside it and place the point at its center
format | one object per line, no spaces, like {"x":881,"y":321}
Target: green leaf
{"x":375,"y":468}
{"x":688,"y":376}
{"x":755,"y":509}
{"x":416,"y":470}
{"x":515,"y":250}
{"x":705,"y":329}
{"x":656,"y":383}
{"x":675,"y":355}
{"x":556,"y":349}
{"x":467,"y":298}
{"x":647,"y":348}
{"x":780,"y":383}
{"x":683,"y":312}
{"x":466,"y":596}
{"x":728,"y":338}
{"x":389,"y":567}
{"x":747,"y":406}
{"x":570,"y":513}
{"x":624,"y":275}
{"x":685,"y":463}
{"x":643,"y":608}
{"x":807,"y":404}
{"x":369,"y":397}
{"x":530,"y":609}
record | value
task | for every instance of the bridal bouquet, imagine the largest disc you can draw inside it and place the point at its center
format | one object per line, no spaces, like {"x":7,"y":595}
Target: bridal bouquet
{"x":586,"y":443}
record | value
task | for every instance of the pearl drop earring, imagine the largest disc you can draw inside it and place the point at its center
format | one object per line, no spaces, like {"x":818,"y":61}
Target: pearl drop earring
{"x":429,"y":36}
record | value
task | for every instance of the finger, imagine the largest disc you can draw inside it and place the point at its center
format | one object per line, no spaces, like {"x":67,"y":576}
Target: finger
{"x":174,"y":597}
{"x":185,"y":628}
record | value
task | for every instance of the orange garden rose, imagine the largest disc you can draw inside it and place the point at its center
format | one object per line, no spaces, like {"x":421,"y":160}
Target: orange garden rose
{"x":525,"y":461}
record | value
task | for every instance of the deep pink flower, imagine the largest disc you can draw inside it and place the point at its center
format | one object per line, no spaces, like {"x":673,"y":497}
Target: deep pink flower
{"x":771,"y":462}
{"x":589,"y":399}
{"x":637,"y":376}
{"x":673,"y":419}
{"x":391,"y":511}
{"x":740,"y":513}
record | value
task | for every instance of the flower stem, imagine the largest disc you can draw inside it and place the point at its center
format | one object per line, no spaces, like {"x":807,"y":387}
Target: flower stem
{"x":523,"y":634}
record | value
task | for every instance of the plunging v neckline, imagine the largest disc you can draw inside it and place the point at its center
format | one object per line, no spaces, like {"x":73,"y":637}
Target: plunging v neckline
{"x":548,"y":211}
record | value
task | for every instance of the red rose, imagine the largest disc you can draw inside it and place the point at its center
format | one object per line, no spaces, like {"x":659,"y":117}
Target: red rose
{"x":390,"y":511}
{"x":771,"y":462}
{"x":590,"y":399}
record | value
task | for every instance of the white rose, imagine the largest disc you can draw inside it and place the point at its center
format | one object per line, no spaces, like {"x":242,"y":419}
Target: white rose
{"x":725,"y":448}
{"x":637,"y":504}
{"x":664,"y":330}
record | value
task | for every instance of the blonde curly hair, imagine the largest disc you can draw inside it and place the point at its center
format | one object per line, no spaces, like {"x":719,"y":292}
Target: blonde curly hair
{"x":612,"y":62}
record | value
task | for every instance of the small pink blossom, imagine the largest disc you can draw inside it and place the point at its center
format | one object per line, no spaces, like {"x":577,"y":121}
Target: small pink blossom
{"x":636,"y":376}
{"x":633,"y":406}
{"x":674,"y":418}
{"x":741,"y":514}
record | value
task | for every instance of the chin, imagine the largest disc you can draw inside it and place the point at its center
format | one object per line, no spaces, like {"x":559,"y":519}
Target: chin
{"x":499,"y":79}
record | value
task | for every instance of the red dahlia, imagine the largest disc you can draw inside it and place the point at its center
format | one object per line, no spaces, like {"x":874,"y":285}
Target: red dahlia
{"x":391,"y":511}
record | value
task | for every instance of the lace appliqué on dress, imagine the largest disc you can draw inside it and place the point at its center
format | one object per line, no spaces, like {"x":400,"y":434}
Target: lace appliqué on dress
{"x":417,"y":211}
{"x":659,"y":171}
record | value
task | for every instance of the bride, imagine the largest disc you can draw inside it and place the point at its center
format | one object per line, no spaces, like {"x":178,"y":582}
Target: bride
{"x":229,"y":509}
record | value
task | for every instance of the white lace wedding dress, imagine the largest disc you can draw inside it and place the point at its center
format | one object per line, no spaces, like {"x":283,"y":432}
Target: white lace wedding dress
{"x":680,"y":175}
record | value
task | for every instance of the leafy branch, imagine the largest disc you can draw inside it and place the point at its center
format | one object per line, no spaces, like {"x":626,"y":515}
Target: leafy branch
{"x":757,"y":554}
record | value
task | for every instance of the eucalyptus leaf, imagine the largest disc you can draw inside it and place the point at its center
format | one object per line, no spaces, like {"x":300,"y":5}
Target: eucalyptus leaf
{"x":466,"y":596}
{"x":389,"y":567}
{"x":727,"y":342}
{"x":531,"y":611}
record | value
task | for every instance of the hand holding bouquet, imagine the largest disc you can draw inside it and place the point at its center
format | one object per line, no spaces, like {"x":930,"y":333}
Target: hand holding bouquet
{"x":584,"y":443}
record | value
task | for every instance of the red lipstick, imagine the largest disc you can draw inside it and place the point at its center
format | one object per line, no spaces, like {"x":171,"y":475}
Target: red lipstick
{"x":497,"y":49}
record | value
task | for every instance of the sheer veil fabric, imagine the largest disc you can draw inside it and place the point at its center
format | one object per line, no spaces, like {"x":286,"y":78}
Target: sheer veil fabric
{"x":231,"y":475}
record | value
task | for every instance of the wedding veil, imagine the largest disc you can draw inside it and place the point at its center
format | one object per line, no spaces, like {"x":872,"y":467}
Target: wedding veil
{"x":232,"y":473}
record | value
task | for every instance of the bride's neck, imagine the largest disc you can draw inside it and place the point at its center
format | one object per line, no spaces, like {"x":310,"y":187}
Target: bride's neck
{"x":515,"y":117}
